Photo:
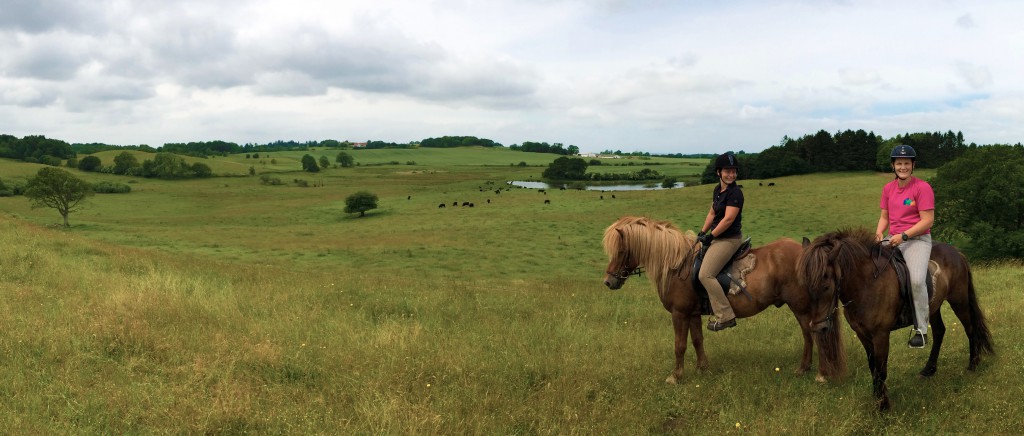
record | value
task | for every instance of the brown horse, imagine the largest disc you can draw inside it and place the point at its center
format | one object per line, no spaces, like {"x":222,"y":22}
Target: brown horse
{"x":848,"y":268}
{"x":667,"y":255}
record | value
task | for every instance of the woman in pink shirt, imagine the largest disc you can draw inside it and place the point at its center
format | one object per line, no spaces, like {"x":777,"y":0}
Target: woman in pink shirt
{"x":908,"y":210}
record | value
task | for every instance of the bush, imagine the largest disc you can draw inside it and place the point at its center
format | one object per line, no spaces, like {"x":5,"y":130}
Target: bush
{"x":266,"y":179}
{"x":89,"y":163}
{"x":111,"y":188}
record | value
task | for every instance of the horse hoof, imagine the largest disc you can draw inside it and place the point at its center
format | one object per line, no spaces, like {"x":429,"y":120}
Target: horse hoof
{"x":820,"y":378}
{"x":927,"y":372}
{"x":883,"y":404}
{"x":671,"y":379}
{"x":800,"y":371}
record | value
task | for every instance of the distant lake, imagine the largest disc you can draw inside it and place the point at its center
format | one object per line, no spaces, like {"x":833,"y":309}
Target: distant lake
{"x":629,"y":187}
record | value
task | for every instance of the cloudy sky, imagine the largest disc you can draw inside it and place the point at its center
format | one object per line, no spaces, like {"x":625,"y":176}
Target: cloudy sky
{"x":650,"y":75}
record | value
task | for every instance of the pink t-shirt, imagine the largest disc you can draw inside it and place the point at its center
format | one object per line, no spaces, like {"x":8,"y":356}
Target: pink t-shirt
{"x":905,"y":204}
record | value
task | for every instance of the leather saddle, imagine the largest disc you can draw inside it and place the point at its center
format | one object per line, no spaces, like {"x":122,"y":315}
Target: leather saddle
{"x":895,"y":258}
{"x":725,"y":277}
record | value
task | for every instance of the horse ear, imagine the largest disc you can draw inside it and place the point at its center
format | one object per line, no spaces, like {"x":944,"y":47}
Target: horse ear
{"x":806,"y":242}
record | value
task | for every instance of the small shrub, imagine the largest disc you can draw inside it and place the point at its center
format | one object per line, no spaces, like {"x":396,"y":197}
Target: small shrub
{"x":266,"y":179}
{"x":111,"y":188}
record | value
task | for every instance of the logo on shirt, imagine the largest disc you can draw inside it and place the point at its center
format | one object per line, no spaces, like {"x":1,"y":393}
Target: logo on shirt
{"x":908,"y":201}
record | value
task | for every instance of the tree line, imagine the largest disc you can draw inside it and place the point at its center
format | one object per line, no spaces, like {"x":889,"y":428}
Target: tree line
{"x":848,"y":150}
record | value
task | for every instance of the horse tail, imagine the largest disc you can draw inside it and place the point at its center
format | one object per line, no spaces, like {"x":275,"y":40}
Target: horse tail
{"x":980,"y":336}
{"x":831,"y":352}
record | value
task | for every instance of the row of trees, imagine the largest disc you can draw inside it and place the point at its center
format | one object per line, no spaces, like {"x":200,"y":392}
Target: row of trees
{"x":574,"y":168}
{"x":35,"y":149}
{"x":845,"y":151}
{"x":458,"y":141}
{"x":162,"y":166}
{"x":544,"y":147}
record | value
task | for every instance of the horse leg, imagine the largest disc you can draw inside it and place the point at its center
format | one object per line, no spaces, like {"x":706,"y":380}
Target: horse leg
{"x":938,"y":331}
{"x":697,"y":337}
{"x":805,"y":360}
{"x":681,"y":324}
{"x":880,"y":371}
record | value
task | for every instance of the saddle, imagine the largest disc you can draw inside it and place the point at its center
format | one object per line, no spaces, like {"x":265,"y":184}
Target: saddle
{"x":727,"y":277}
{"x":907,"y":315}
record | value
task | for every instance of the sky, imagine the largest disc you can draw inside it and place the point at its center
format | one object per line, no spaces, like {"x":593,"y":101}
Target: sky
{"x":643,"y":75}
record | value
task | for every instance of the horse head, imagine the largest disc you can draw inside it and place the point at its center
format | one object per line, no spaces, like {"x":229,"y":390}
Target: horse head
{"x":820,"y":276}
{"x":621,"y":264}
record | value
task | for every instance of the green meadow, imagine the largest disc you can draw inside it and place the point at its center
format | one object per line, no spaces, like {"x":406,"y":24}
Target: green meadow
{"x":224,"y":305}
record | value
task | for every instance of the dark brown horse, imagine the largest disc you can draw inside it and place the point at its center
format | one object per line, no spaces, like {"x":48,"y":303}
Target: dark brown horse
{"x":848,"y":268}
{"x":667,"y":253}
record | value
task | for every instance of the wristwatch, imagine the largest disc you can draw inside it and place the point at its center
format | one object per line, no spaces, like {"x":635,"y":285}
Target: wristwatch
{"x":905,"y":237}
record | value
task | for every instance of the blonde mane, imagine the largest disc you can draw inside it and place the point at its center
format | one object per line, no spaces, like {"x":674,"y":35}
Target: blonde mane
{"x":659,"y":246}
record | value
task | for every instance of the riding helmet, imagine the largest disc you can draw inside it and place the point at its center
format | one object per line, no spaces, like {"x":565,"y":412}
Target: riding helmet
{"x":726,"y":160}
{"x":903,"y":151}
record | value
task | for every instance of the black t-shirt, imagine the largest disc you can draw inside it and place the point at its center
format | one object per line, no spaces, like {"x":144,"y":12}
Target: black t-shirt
{"x":733,"y":196}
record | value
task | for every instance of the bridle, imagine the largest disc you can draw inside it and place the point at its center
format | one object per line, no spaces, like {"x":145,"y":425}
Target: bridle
{"x":836,"y":304}
{"x":624,"y":272}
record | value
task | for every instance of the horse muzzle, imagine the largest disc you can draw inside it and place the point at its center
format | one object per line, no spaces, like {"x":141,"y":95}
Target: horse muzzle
{"x":821,"y":326}
{"x":613,"y":283}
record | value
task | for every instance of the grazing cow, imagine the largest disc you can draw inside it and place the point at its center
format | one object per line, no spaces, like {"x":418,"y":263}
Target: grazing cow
{"x":542,"y":191}
{"x":547,"y":201}
{"x":470,"y":204}
{"x":613,"y":195}
{"x":760,"y":184}
{"x":408,"y":198}
{"x":497,"y":191}
{"x":440,"y":206}
{"x":465,"y":203}
{"x":455,"y":203}
{"x":488,"y":201}
{"x":602,"y":197}
{"x":771,"y":184}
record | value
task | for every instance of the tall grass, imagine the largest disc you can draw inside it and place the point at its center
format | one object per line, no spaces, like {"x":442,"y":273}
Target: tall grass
{"x":226,"y":306}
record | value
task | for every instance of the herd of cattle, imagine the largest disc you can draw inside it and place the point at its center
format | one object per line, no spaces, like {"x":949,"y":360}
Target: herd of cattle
{"x":541,"y":191}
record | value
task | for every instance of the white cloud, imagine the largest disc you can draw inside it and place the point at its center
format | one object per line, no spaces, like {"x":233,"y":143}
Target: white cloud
{"x":655,"y":75}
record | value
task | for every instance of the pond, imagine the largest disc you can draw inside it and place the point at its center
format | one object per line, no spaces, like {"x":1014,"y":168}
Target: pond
{"x":623,"y":187}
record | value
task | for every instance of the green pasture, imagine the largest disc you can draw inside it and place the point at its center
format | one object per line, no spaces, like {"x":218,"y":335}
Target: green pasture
{"x":224,"y":305}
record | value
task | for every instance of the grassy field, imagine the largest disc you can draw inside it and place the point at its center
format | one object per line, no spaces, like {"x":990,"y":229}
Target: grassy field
{"x":228,"y":306}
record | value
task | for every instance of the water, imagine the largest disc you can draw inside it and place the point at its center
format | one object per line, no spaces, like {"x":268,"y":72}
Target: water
{"x":629,"y":187}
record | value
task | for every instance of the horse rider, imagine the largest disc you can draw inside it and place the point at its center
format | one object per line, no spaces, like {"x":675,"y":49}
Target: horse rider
{"x":908,"y":210}
{"x":721,"y":235}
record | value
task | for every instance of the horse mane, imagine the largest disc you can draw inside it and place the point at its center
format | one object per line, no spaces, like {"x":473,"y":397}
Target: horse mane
{"x":658,"y":245}
{"x":825,"y":260}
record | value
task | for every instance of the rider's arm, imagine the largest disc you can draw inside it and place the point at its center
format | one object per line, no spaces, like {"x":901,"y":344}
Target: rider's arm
{"x":730,"y":215}
{"x":883,"y":223}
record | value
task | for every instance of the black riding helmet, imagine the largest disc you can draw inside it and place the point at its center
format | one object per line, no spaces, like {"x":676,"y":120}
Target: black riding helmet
{"x":726,"y":160}
{"x":902,"y":151}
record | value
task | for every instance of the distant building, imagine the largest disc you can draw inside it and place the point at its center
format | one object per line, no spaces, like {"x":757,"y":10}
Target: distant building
{"x":358,"y":145}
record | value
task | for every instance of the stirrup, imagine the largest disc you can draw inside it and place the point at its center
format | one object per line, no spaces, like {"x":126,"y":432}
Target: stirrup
{"x":915,"y":334}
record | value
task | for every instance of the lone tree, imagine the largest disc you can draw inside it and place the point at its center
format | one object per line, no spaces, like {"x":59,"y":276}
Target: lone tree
{"x":58,"y":189}
{"x":345,"y":160}
{"x":361,"y":202}
{"x":309,"y":164}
